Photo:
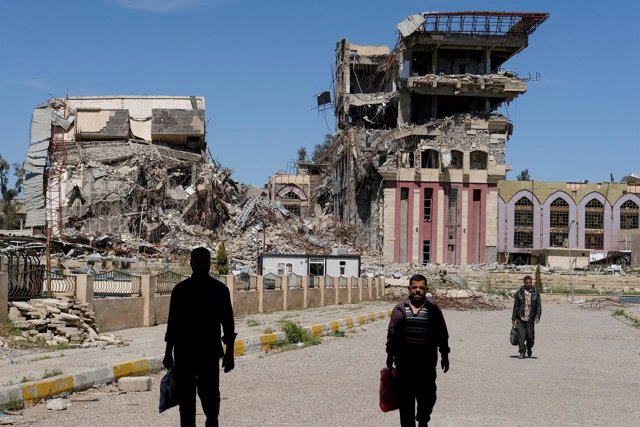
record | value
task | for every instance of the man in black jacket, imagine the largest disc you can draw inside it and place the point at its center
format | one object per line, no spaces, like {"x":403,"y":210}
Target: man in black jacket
{"x":417,"y":331}
{"x":199,"y":306}
{"x":526,"y":313}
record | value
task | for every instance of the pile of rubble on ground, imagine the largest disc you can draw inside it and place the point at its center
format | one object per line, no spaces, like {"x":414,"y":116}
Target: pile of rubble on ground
{"x":56,"y":322}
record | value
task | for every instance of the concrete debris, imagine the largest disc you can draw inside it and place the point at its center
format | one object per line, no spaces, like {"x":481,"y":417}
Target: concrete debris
{"x":57,"y":322}
{"x":57,"y":405}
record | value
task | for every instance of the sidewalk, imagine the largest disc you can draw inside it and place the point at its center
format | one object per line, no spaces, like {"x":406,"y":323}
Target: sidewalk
{"x":84,"y":368}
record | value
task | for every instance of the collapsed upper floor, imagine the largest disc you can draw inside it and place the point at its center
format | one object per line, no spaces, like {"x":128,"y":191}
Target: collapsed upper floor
{"x":444,"y":63}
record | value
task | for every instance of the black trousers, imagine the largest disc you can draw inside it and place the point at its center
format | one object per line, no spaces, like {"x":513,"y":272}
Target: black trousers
{"x":526,"y":334}
{"x":416,"y":387}
{"x":204,"y":380}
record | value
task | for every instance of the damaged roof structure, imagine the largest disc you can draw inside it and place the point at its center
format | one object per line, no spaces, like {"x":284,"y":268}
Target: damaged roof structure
{"x":107,"y":169}
{"x":420,"y":146}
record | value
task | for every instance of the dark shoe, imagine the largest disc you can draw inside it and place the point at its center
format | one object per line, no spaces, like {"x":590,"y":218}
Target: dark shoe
{"x":521,"y":356}
{"x":529,"y":352}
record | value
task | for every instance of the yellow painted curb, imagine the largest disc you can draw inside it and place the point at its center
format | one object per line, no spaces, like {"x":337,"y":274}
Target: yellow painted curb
{"x":47,"y":388}
{"x":238,"y":348}
{"x":349,"y":322}
{"x":140,"y":366}
{"x":335,"y":325}
{"x":268,"y":340}
{"x":316,"y":330}
{"x":362,"y":320}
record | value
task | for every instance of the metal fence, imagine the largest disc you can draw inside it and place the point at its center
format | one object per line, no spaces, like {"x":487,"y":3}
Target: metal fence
{"x":116,"y":284}
{"x":166,"y":281}
{"x":39,"y":283}
{"x":272,"y":282}
{"x":328,"y":282}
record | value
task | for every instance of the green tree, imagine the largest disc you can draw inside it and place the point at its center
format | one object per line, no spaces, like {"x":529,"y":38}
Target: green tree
{"x":538,"y":279}
{"x":222,"y":259}
{"x":302,"y":154}
{"x":524,"y":176}
{"x":320,"y":151}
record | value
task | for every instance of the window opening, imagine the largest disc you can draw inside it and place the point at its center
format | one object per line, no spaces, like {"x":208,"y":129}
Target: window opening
{"x":594,"y":225}
{"x":559,"y":223}
{"x":629,"y":214}
{"x":428,"y":200}
{"x":430,"y":159}
{"x":523,"y":224}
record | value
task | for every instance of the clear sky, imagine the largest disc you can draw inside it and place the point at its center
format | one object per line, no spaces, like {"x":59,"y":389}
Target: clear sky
{"x":260,"y":63}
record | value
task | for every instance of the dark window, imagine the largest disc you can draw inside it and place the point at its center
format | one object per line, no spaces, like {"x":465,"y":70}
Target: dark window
{"x":456,"y":159}
{"x":428,"y":201}
{"x":426,"y":251}
{"x":629,"y":214}
{"x":594,"y":225}
{"x":523,"y":224}
{"x":430,"y":159}
{"x":558,"y":223}
{"x":478,"y":160}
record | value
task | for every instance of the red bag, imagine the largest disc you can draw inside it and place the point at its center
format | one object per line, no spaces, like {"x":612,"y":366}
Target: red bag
{"x":388,"y":390}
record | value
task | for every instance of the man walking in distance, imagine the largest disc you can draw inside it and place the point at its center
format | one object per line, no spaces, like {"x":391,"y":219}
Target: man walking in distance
{"x":199,"y":306}
{"x":417,"y":331}
{"x":526,"y":312}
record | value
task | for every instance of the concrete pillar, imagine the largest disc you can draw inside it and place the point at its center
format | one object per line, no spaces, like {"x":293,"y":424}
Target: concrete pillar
{"x":336,"y":288}
{"x":84,"y":289}
{"x":285,"y":291}
{"x":260,"y":289}
{"x":360,"y":279}
{"x":322,"y":289}
{"x":4,"y":295}
{"x":148,"y":286}
{"x":305,"y":291}
{"x":370,"y":282}
{"x":230,"y":282}
{"x":349,"y":289}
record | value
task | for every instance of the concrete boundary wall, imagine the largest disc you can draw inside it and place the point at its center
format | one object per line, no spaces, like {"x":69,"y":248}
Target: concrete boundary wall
{"x":150,"y":309}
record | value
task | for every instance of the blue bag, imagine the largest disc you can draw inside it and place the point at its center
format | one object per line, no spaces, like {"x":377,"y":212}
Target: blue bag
{"x":168,"y":392}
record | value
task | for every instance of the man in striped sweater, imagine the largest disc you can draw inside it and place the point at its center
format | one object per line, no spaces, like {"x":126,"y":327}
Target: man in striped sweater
{"x":417,"y":331}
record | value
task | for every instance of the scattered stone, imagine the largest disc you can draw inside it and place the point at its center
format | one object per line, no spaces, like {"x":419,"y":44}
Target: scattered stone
{"x":57,"y":405}
{"x":134,"y":384}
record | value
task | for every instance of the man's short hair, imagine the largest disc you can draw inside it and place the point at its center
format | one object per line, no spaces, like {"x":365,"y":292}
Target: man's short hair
{"x":418,"y":278}
{"x":200,"y":255}
{"x":527,"y":277}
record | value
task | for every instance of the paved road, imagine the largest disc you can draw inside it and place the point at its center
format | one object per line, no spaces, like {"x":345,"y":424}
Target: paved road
{"x":585,"y":372}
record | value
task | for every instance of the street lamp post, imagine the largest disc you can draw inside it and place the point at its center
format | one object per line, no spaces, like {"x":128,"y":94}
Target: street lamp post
{"x":570,"y":265}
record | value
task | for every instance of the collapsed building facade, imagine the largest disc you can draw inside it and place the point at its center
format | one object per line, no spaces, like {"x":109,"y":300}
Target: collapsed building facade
{"x":105,"y":170}
{"x":420,"y":146}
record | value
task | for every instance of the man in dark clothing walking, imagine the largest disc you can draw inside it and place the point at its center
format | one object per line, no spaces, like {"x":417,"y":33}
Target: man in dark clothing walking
{"x":417,"y":331}
{"x":199,"y":306}
{"x":526,"y":313}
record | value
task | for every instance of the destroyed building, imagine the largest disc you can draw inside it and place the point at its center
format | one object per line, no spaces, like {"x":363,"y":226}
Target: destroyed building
{"x":420,"y":146}
{"x":115,"y":169}
{"x":296,"y":190}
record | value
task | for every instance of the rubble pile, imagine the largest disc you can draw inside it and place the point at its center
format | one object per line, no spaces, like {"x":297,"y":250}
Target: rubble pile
{"x":57,"y":322}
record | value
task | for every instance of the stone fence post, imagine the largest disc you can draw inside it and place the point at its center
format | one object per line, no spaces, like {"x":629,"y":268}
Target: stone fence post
{"x":84,"y":289}
{"x":230,"y":282}
{"x":285,"y":291}
{"x":148,"y":287}
{"x":360,"y":289}
{"x":4,"y":295}
{"x":260,"y":290}
{"x":336,"y":288}
{"x":349,"y":289}
{"x":305,"y":291}
{"x":322,"y":289}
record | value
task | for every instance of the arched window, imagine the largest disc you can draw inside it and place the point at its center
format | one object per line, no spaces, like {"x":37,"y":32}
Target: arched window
{"x":594,"y":225}
{"x":430,"y":159}
{"x":523,"y":224}
{"x":456,"y":159}
{"x":478,"y":160}
{"x":558,"y":223}
{"x":629,"y":214}
{"x":290,"y":196}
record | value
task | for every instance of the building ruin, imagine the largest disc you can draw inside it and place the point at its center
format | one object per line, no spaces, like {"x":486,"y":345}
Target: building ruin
{"x":420,"y":146}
